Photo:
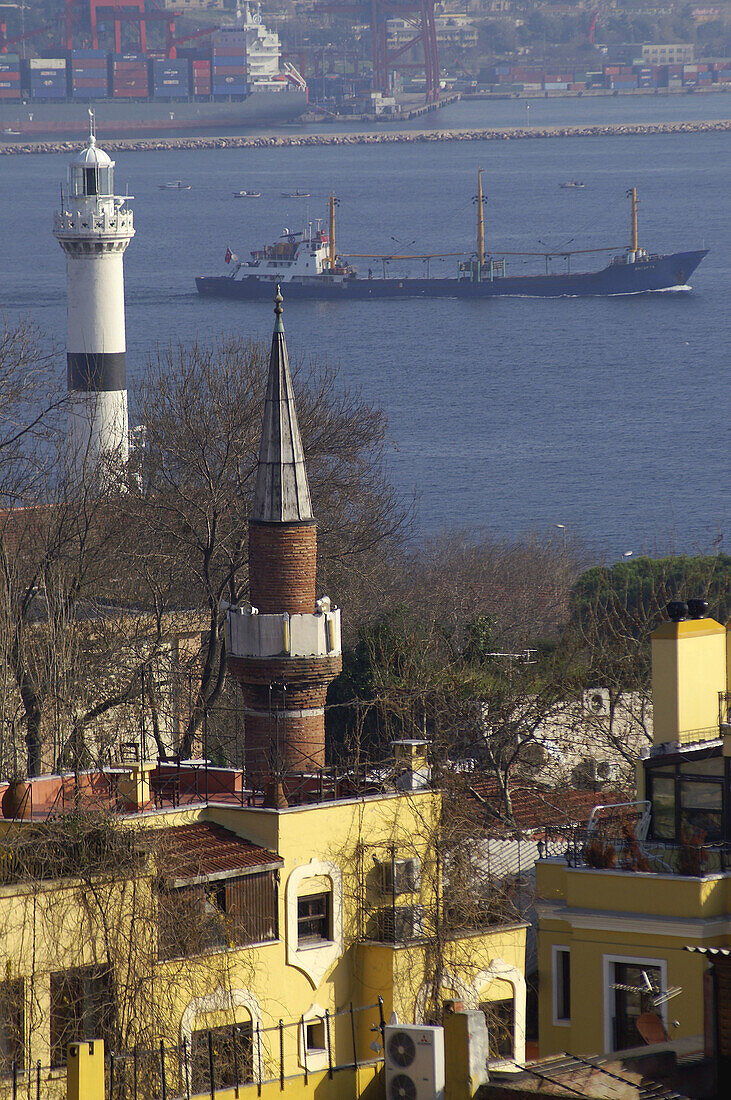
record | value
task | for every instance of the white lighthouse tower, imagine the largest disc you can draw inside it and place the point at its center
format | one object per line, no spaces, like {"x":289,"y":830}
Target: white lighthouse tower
{"x":94,"y":229}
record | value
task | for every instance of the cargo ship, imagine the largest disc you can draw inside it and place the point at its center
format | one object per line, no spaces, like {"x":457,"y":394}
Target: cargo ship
{"x":239,"y":81}
{"x":307,"y":265}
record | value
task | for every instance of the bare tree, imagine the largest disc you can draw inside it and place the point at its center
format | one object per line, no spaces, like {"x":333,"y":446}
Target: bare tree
{"x":201,"y":412}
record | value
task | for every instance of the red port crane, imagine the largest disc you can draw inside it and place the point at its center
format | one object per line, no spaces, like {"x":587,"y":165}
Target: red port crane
{"x":419,"y":13}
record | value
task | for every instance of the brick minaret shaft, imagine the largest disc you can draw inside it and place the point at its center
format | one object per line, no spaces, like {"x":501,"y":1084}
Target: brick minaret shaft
{"x":284,"y":691}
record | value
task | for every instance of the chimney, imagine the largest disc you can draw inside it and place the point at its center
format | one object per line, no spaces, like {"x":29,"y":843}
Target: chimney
{"x":688,"y":673}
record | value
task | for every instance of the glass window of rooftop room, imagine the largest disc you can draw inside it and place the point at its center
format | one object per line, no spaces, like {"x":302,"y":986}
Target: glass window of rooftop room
{"x":631,"y":1002}
{"x":313,"y":919}
{"x":701,"y":808}
{"x":82,"y":1007}
{"x":12,"y":1025}
{"x":232,"y":1054}
{"x":712,"y":766}
{"x":662,"y":794}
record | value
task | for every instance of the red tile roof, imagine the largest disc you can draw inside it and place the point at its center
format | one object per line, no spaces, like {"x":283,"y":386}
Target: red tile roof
{"x":208,"y":851}
{"x":536,"y":807}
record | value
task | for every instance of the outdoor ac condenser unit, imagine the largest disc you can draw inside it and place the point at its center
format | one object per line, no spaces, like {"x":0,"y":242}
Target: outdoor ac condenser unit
{"x":402,"y":923}
{"x":400,"y":876}
{"x":596,"y":702}
{"x":414,"y":1062}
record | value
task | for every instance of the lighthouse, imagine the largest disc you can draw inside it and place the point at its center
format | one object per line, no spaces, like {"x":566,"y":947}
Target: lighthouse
{"x":284,"y":648}
{"x":94,"y":228}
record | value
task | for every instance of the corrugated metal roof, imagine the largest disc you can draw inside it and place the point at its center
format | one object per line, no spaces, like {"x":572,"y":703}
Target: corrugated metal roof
{"x":205,"y":852}
{"x":534,"y":808}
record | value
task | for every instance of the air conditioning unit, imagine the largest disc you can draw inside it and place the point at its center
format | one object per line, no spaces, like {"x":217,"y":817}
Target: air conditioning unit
{"x":400,"y":876}
{"x":402,"y":923}
{"x":596,"y":702}
{"x":414,"y":1062}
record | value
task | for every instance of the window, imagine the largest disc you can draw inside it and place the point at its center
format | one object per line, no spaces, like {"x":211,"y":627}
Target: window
{"x":561,"y":985}
{"x":230,"y":1050}
{"x":82,"y":1007}
{"x":500,"y":1017}
{"x":12,"y":1025}
{"x":632,"y":1001}
{"x":313,"y":919}
{"x":227,"y":912}
{"x":701,"y":808}
{"x":631,"y":987}
{"x":315,"y":1036}
{"x":688,"y":797}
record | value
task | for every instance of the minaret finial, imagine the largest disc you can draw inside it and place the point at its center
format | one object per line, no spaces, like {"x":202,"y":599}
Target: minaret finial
{"x":92,"y":135}
{"x":278,"y":310}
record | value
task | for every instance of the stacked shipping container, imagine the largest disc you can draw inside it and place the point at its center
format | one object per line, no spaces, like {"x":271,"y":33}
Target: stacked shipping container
{"x":47,"y":78}
{"x":201,"y":76}
{"x":170,"y":79}
{"x":89,"y":75}
{"x":9,"y":76}
{"x":129,"y":79}
{"x":228,"y":64}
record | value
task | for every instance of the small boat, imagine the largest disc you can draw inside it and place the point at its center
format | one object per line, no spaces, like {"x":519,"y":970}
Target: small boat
{"x":295,"y":194}
{"x":174,"y":185}
{"x":572,"y":184}
{"x":247,"y":194}
{"x":7,"y":132}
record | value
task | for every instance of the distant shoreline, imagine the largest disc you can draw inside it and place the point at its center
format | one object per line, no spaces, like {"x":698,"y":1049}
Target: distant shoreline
{"x":379,"y":137}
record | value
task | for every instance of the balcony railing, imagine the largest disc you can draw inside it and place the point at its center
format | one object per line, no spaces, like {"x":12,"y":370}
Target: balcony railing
{"x":616,"y":838}
{"x":620,"y":850}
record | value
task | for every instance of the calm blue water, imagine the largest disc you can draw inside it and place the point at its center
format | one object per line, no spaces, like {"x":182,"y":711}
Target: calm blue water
{"x":609,"y":416}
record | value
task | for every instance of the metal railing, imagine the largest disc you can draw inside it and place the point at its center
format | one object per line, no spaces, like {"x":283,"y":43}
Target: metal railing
{"x":617,"y":851}
{"x":239,"y":1055}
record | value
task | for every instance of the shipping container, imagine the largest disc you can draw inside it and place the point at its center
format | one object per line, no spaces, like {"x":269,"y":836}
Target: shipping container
{"x":10,"y":93}
{"x":556,"y":86}
{"x":47,"y":63}
{"x":201,"y":64}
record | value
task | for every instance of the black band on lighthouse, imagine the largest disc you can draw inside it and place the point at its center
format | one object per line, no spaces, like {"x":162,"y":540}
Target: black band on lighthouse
{"x":96,"y":372}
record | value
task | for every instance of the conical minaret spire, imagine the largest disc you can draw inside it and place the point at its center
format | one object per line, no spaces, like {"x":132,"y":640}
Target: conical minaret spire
{"x":282,"y":492}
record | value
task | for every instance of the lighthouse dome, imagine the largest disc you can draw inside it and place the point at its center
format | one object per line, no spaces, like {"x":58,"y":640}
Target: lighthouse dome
{"x":92,"y":157}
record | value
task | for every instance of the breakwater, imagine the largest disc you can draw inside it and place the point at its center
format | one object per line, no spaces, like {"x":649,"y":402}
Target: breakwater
{"x":378,"y":137}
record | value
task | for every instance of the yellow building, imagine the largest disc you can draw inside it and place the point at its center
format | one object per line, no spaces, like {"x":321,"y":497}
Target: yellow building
{"x":618,"y":908}
{"x":179,"y":921}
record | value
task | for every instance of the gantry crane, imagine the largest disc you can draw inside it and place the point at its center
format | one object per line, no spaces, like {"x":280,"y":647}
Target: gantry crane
{"x":419,"y":13}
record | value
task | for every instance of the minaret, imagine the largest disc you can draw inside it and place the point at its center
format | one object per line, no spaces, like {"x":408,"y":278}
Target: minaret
{"x":285,"y":648}
{"x":94,"y":229}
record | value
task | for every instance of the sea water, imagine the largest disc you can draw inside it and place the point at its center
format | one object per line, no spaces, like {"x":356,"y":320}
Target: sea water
{"x":608,"y":416}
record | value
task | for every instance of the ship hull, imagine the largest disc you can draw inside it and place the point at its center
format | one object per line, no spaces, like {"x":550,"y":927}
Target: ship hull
{"x":656,"y":274}
{"x":116,"y":118}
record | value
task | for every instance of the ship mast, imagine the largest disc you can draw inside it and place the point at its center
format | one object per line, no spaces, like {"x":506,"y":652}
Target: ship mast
{"x":480,"y":222}
{"x":634,"y":244}
{"x":331,"y":236}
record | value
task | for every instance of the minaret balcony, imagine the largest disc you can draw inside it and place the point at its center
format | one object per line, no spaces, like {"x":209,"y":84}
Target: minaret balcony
{"x":249,"y":634}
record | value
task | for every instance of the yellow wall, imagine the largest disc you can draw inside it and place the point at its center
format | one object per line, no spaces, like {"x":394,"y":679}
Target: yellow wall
{"x":688,"y":672}
{"x":260,"y":982}
{"x":586,"y":929}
